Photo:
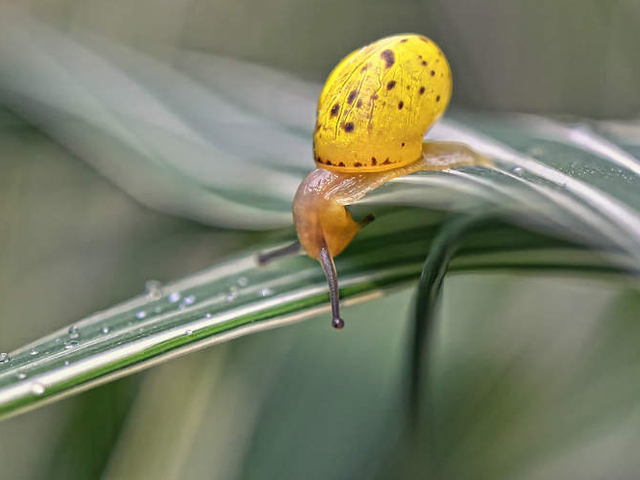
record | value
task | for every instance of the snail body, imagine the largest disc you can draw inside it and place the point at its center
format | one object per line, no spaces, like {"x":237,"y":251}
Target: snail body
{"x":373,"y":113}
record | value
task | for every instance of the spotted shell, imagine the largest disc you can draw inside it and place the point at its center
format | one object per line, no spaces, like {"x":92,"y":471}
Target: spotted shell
{"x":378,"y":103}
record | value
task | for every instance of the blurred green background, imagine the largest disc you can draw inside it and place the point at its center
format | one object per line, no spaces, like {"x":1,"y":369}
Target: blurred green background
{"x":561,"y":56}
{"x":533,"y":377}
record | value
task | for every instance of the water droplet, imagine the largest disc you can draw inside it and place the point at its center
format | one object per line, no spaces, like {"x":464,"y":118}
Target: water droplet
{"x":4,"y":357}
{"x":188,"y":332}
{"x":141,"y":314}
{"x":37,"y":388}
{"x":189,"y":300}
{"x":21,"y":375}
{"x":66,"y":363}
{"x":174,"y":297}
{"x":233,"y":293}
{"x":182,"y":306}
{"x":265,"y":292}
{"x":208,"y":315}
{"x":33,"y":351}
{"x":73,"y":332}
{"x":57,"y":340}
{"x":71,"y":344}
{"x":153,"y":289}
{"x":105,"y":329}
{"x":243,"y":282}
{"x":518,"y":171}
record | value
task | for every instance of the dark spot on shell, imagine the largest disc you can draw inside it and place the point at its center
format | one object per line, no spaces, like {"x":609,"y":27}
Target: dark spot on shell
{"x":391,"y":84}
{"x":318,"y":127}
{"x":335,"y":109}
{"x":374,"y":97}
{"x":328,"y":162}
{"x":389,"y":57}
{"x":364,"y":69}
{"x":425,"y":40}
{"x":404,"y":40}
{"x":341,"y":164}
{"x":386,"y":162}
{"x":374,"y":162}
{"x":438,"y":98}
{"x":359,"y":104}
{"x":400,"y":105}
{"x":403,"y":144}
{"x":433,"y":72}
{"x":357,"y":164}
{"x":424,"y":63}
{"x":421,"y":90}
{"x":348,"y":127}
{"x":319,"y":160}
{"x":352,"y":96}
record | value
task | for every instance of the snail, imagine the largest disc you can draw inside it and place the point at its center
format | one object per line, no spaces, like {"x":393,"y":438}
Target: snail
{"x":373,"y":113}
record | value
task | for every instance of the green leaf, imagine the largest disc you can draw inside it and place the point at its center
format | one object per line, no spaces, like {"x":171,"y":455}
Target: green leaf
{"x":226,"y":143}
{"x":237,"y":298}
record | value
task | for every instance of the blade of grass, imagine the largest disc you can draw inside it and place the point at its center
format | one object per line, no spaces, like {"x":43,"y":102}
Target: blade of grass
{"x":238,"y":298}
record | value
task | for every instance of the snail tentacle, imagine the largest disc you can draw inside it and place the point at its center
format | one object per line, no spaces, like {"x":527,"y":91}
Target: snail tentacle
{"x":287,"y":250}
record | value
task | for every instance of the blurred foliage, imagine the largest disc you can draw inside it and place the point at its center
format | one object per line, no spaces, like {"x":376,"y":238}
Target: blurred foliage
{"x":560,"y":56}
{"x":72,"y":243}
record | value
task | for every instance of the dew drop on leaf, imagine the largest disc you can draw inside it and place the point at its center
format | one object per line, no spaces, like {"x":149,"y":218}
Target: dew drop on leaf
{"x":189,"y":300}
{"x":73,"y":332}
{"x":37,"y":388}
{"x":265,"y":292}
{"x":153,"y":289}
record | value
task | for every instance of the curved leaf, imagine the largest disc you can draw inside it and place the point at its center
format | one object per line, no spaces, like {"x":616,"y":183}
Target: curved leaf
{"x":237,"y":298}
{"x":225,"y":142}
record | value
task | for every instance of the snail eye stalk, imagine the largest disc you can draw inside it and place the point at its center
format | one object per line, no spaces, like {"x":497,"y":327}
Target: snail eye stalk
{"x":326,"y":260}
